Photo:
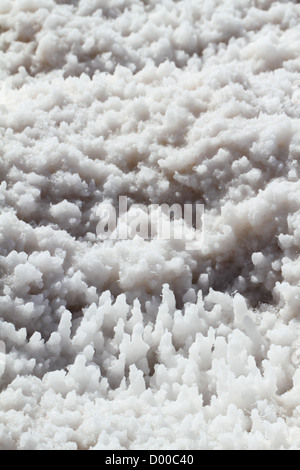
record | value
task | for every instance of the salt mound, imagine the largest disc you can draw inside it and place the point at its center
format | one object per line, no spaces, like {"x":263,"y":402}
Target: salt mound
{"x":136,"y":344}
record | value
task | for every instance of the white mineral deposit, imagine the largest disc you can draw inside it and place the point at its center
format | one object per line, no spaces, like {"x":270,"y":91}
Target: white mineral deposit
{"x":135,"y":342}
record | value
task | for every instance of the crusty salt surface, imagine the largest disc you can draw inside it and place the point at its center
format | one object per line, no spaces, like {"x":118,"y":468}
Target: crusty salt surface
{"x":135,"y":344}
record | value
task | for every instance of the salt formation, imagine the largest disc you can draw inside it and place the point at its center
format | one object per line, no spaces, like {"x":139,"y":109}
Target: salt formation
{"x":137,"y":344}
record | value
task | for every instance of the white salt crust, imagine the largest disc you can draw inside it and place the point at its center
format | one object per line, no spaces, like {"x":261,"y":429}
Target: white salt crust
{"x":134,"y":344}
